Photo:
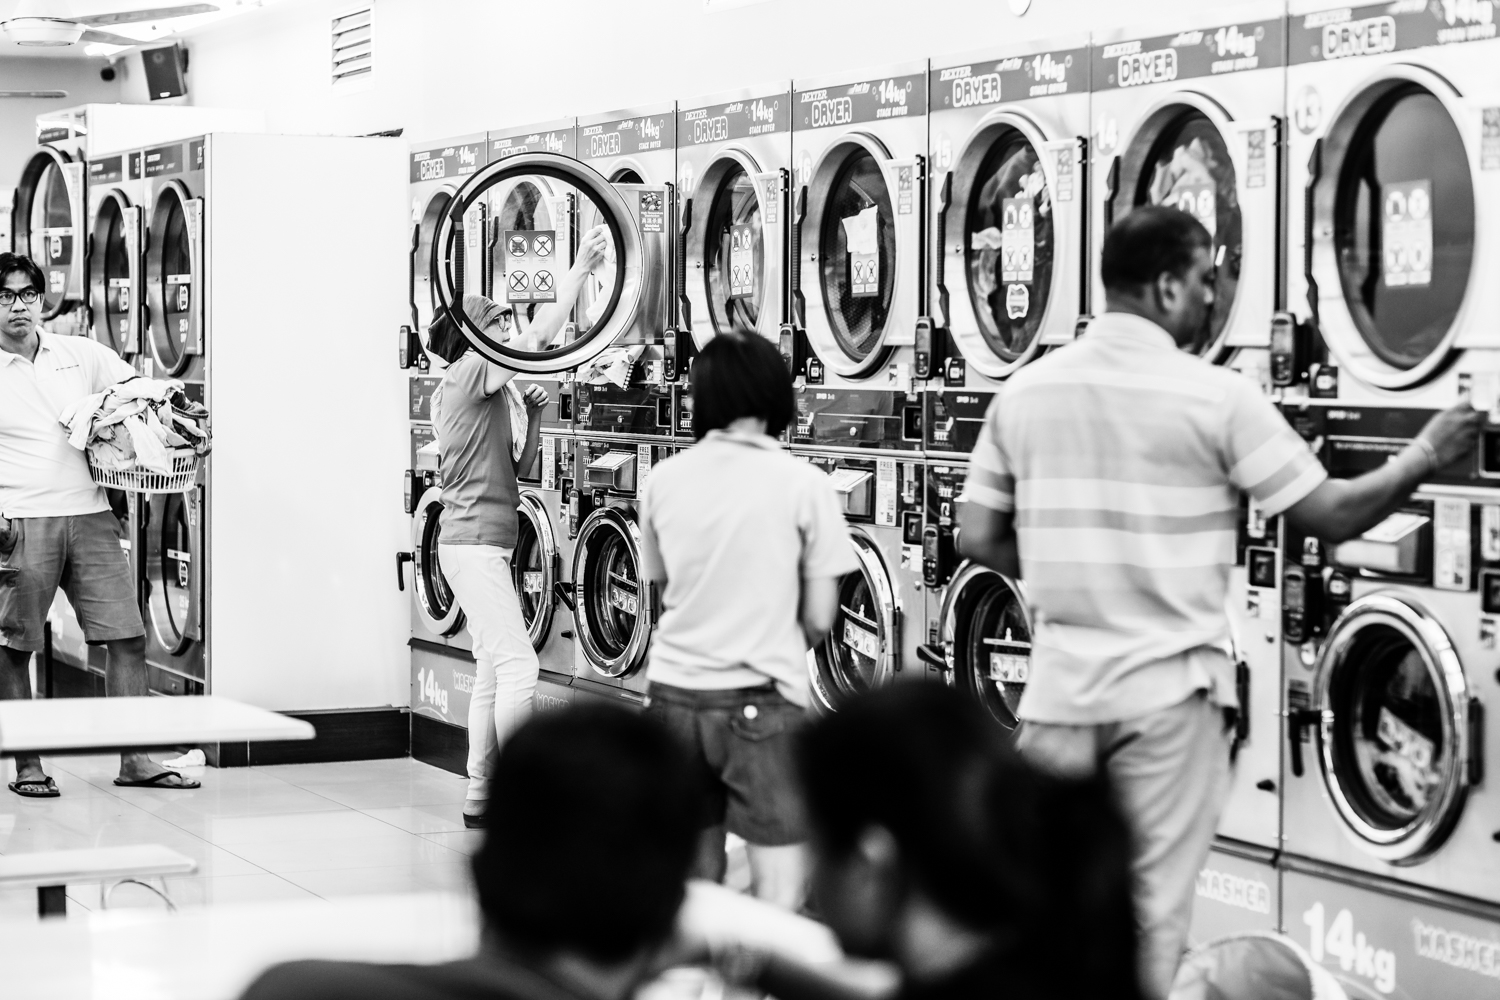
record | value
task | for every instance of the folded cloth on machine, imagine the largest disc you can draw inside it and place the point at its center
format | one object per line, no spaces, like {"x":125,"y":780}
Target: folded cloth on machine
{"x":137,"y":423}
{"x":612,"y":366}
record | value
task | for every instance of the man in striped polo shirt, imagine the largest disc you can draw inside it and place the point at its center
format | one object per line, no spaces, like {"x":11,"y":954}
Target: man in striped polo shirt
{"x":1108,"y":475}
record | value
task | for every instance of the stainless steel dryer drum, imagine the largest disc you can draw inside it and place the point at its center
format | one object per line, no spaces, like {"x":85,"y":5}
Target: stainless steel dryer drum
{"x":859,"y":205}
{"x":116,"y":252}
{"x":733,"y":171}
{"x":1393,"y":111}
{"x":524,"y":203}
{"x":1188,"y":115}
{"x":617,"y":301}
{"x":50,"y":225}
{"x":1009,"y":206}
{"x":437,"y":170}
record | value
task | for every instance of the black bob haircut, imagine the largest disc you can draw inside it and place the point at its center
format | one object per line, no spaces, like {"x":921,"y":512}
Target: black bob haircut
{"x":445,"y":339}
{"x":560,"y":779}
{"x":1150,"y":241}
{"x":996,"y":844}
{"x":741,"y":375}
{"x":10,"y":263}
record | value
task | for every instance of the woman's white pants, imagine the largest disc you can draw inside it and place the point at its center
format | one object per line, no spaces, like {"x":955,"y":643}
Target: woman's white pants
{"x":480,"y":576}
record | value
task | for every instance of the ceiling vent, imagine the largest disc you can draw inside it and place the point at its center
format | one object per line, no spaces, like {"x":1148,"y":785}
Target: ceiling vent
{"x":353,"y":51}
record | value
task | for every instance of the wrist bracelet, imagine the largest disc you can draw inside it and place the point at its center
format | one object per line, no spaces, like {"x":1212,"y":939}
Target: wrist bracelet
{"x":1430,"y":452}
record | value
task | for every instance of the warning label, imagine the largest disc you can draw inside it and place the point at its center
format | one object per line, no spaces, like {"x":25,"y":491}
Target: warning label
{"x":1406,"y":233}
{"x":1017,"y":240}
{"x":741,"y":261}
{"x":864,"y":275}
{"x":1198,"y":199}
{"x":530,"y":265}
{"x":653,"y":214}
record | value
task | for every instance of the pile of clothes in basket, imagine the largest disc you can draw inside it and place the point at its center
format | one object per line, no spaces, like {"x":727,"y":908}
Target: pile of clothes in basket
{"x":140,"y":423}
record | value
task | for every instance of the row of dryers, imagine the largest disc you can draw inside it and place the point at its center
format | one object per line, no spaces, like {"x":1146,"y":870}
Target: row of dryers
{"x":167,"y":249}
{"x":914,"y":236}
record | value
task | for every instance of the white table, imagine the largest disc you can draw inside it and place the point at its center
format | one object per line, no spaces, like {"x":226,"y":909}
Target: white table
{"x":49,"y":872}
{"x":213,"y":953}
{"x":93,"y":725}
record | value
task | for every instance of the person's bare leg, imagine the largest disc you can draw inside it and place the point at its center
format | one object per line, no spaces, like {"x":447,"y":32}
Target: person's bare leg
{"x":779,"y":874}
{"x":15,"y":684}
{"x":124,"y":677}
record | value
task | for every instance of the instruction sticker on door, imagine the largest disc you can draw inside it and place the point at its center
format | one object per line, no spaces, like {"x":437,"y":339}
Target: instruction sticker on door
{"x":861,"y":235}
{"x":1017,"y":240}
{"x":530,"y":265}
{"x":1406,"y":233}
{"x":1196,"y":198}
{"x":741,"y":261}
{"x":862,"y":642}
{"x":653,"y":213}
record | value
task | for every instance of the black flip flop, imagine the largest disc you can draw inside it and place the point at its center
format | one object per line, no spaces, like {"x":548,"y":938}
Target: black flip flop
{"x":472,"y":822}
{"x":48,"y":786}
{"x":157,"y":781}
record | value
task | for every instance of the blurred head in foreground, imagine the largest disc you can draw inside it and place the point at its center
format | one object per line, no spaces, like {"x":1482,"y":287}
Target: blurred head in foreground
{"x":938,"y":848}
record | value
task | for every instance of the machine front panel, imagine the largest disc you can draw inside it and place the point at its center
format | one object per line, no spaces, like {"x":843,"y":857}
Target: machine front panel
{"x":857,"y":418}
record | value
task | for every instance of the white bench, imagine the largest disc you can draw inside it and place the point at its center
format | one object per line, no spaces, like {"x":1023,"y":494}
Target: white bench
{"x":51,"y":871}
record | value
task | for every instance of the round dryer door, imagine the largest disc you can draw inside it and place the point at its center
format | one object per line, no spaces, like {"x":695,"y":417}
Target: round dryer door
{"x":1397,"y":196}
{"x":987,"y":639}
{"x":549,"y":312}
{"x":860,"y":255}
{"x":115,"y":279}
{"x":861,"y":649}
{"x":427,"y":219}
{"x":534,"y":566}
{"x":174,"y":570}
{"x":436,"y":604}
{"x":49,"y":224}
{"x":613,"y":603}
{"x":1180,"y":157}
{"x":174,"y":277}
{"x":1000,"y":233}
{"x":733,"y":247}
{"x":1394,"y":739}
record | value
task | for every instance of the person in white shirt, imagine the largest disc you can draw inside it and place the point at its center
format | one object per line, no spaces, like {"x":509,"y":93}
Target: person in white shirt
{"x":56,"y":527}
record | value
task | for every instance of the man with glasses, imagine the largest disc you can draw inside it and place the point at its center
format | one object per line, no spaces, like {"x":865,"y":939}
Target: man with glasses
{"x":56,"y":528}
{"x":1109,"y":474}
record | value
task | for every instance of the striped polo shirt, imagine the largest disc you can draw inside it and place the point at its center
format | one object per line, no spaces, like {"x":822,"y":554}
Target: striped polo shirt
{"x":1123,"y":459}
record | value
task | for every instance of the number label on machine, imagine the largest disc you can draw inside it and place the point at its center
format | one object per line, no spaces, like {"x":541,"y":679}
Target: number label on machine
{"x":530,"y":265}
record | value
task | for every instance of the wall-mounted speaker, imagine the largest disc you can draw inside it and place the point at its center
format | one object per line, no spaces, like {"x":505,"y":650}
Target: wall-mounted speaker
{"x":165,"y":68}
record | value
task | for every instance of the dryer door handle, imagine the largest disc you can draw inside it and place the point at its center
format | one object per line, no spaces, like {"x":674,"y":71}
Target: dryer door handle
{"x":564,"y":592}
{"x":402,"y":558}
{"x":1296,"y":720}
{"x":932,"y":655}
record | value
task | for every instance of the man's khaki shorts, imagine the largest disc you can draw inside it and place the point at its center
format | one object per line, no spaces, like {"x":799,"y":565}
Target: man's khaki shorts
{"x":81,"y":554}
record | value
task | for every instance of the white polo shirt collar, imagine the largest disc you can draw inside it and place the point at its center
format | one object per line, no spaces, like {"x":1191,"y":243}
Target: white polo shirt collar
{"x":738,"y":437}
{"x":1129,"y":326}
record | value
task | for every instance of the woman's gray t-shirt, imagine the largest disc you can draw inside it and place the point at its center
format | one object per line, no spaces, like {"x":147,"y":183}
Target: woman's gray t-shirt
{"x":480,"y":494}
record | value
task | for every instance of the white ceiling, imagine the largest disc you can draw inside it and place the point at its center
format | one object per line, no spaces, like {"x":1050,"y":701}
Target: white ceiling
{"x":145,"y":31}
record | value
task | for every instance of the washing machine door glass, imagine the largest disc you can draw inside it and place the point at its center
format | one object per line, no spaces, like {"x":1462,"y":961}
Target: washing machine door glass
{"x":1187,"y":165}
{"x":986,"y":620}
{"x":1394,"y":740}
{"x":173,"y":279}
{"x":172,"y":553}
{"x":532,"y":569}
{"x":115,"y":259}
{"x":434,"y":595}
{"x":857,"y":245}
{"x":1008,"y":245}
{"x":1404,"y":225}
{"x":614,"y":594}
{"x":548,"y":309}
{"x":734,"y":254}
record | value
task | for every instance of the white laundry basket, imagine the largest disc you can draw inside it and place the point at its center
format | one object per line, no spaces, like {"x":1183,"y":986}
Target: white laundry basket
{"x":185,"y":466}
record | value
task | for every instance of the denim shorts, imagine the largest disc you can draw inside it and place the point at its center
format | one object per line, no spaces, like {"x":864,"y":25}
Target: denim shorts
{"x":742,"y":742}
{"x":80,"y":553}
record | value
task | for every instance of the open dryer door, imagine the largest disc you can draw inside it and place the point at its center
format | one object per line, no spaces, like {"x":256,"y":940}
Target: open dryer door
{"x":175,"y":278}
{"x":115,"y":278}
{"x":615,"y":606}
{"x":1016,"y":249}
{"x":1398,"y":736}
{"x":862,"y":650}
{"x":532,"y":267}
{"x":734,"y":249}
{"x":50,"y":223}
{"x":860,"y":254}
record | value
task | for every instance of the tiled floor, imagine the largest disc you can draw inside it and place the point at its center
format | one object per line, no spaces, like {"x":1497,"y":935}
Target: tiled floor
{"x":261,"y":833}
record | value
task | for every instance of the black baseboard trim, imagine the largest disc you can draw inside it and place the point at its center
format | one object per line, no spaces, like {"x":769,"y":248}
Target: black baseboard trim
{"x":439,"y":744}
{"x":342,"y":734}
